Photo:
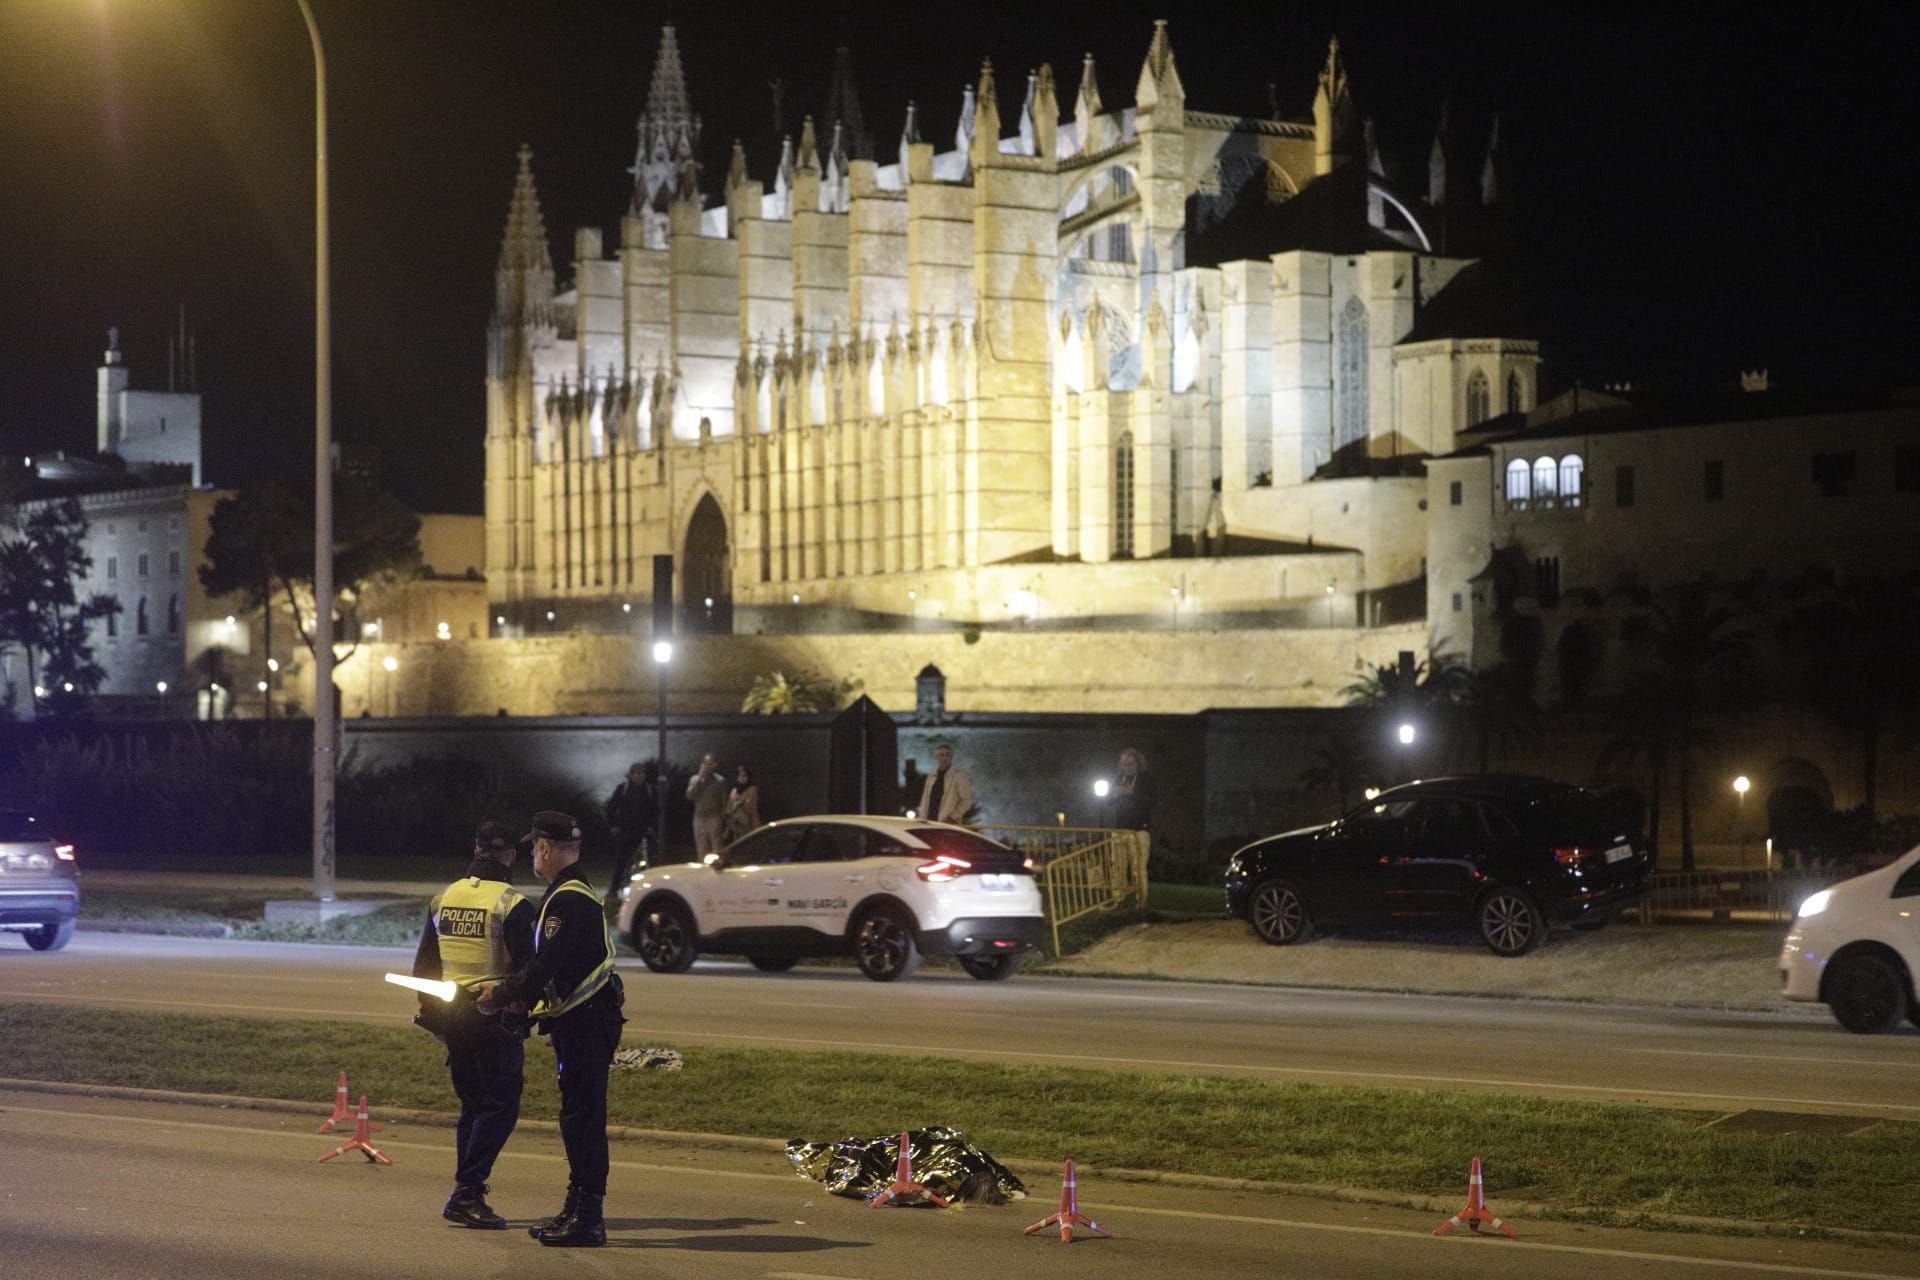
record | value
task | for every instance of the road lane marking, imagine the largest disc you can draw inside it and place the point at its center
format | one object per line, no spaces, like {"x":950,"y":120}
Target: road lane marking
{"x":1877,"y":1064}
{"x":1186,"y":1065}
{"x":1409,"y":1235}
{"x":198,"y":1005}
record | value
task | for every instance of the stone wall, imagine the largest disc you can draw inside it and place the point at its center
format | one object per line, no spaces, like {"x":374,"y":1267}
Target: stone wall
{"x":1000,"y":670}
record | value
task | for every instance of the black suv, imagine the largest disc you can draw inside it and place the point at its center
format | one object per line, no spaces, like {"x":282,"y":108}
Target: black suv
{"x":39,"y":882}
{"x":1505,"y":855}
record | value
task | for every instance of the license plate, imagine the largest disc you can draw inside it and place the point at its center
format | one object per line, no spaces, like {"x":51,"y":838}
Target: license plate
{"x":997,"y":884}
{"x":1620,"y":854}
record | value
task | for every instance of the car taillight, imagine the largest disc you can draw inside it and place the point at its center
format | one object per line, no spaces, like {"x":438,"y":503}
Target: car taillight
{"x":64,"y":852}
{"x":1570,"y":857}
{"x":941,"y":869}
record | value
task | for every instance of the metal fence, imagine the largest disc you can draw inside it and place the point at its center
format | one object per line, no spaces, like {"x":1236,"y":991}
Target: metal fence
{"x":1081,"y":870}
{"x":1749,"y":893}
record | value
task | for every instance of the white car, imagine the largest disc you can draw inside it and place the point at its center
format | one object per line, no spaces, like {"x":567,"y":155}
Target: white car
{"x":884,"y":890}
{"x":1856,"y":947}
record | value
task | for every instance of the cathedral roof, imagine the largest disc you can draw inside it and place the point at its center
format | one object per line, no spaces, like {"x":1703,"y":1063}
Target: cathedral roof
{"x":1486,"y":300}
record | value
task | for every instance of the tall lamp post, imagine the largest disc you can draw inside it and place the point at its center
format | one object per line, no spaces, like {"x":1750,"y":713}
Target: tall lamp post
{"x":662,"y":655}
{"x":1741,"y":785}
{"x":324,"y":711}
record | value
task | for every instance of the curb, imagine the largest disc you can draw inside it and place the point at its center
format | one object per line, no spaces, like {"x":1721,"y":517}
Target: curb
{"x":1020,"y":1165}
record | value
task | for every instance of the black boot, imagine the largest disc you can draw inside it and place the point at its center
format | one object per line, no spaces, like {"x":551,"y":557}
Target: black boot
{"x":559,"y":1219}
{"x":468,"y":1206}
{"x":584,"y":1230}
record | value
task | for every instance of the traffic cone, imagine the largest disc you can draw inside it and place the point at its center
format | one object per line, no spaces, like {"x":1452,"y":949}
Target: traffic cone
{"x":1069,"y":1216}
{"x":903,"y":1183}
{"x":361,"y":1140}
{"x":341,"y":1109}
{"x":1476,"y":1211}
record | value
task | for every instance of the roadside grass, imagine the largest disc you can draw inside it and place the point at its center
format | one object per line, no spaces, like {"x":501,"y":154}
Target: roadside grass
{"x":1589,"y":1161}
{"x":241,"y":914}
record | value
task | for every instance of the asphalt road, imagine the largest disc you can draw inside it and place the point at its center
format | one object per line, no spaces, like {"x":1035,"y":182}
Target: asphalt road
{"x":1666,"y":1057}
{"x":98,"y":1189}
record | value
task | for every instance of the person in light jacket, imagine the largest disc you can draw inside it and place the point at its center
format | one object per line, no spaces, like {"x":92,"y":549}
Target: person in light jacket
{"x":947,"y":794}
{"x":743,"y":806}
{"x":707,"y":794}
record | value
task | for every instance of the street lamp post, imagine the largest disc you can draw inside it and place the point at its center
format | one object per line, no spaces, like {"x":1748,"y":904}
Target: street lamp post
{"x":324,"y":711}
{"x":662,"y":655}
{"x":390,"y":664}
{"x":1741,"y":785}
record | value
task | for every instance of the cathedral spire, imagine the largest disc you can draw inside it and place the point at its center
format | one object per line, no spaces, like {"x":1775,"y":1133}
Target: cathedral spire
{"x":1333,"y":114}
{"x":669,"y":130}
{"x":524,"y":246}
{"x":986,"y":119}
{"x":1490,"y":169}
{"x":1159,"y":78}
{"x":843,"y":108}
{"x":1437,"y":161}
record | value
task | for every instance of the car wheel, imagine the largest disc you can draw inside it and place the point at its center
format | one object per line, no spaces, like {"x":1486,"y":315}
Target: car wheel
{"x":1866,"y":993}
{"x":1279,"y":914}
{"x":993,"y":968}
{"x":773,"y":964}
{"x":883,"y":945}
{"x":664,"y":937}
{"x":1511,"y":923}
{"x":50,"y":937}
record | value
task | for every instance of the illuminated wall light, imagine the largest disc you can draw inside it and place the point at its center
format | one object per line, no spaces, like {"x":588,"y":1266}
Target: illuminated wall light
{"x":273,"y":664}
{"x":262,"y":686}
{"x":499,"y":620}
{"x":39,"y":691}
{"x":443,"y":631}
{"x":159,"y":686}
{"x":391,"y":663}
{"x":549,"y":615}
{"x":796,"y":597}
{"x":625,"y":607}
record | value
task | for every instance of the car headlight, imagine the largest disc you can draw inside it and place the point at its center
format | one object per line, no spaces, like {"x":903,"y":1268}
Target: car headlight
{"x":1815,"y":904}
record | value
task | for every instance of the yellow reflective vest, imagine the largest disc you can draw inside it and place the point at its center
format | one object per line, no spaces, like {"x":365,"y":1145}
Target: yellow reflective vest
{"x":470,"y":918}
{"x":552,"y":1004}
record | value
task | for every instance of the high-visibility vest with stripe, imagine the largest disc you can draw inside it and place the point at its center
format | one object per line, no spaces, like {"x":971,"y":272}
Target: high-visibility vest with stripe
{"x":552,"y":1003}
{"x":470,"y":917}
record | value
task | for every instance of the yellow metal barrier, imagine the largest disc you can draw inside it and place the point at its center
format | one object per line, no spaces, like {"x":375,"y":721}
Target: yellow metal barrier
{"x":1080,"y":870}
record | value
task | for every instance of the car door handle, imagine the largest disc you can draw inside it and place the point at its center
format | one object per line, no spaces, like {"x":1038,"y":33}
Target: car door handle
{"x":856,"y":879}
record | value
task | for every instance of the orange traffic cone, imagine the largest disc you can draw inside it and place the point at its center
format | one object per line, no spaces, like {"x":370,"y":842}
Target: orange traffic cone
{"x":341,"y":1109}
{"x":903,"y":1183}
{"x":362,"y":1140}
{"x":1069,"y":1216}
{"x":1476,"y":1211}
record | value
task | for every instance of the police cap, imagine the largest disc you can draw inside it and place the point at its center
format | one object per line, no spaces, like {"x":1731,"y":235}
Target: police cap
{"x":495,"y":837}
{"x":551,"y":824}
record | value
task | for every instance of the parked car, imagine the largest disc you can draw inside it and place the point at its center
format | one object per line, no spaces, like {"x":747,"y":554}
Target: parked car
{"x":1856,"y":947}
{"x":39,"y":882}
{"x":1506,"y":855}
{"x":885,"y":891}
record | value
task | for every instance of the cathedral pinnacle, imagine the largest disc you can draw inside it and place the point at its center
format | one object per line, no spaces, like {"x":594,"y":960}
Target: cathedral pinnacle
{"x":524,"y":245}
{"x":1159,"y":78}
{"x":669,"y":130}
{"x":809,"y":145}
{"x":843,"y":109}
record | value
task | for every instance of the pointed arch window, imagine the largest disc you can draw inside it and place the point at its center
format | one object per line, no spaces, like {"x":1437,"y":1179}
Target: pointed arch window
{"x":1572,"y":472}
{"x":1352,"y":388}
{"x":1516,"y":393}
{"x":1123,"y":498}
{"x":1478,"y":410}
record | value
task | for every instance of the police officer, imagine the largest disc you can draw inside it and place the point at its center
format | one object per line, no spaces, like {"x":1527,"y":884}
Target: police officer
{"x":478,"y":931}
{"x":576,"y":996}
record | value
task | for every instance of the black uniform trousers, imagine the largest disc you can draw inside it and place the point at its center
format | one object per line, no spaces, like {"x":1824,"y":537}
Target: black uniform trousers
{"x":488,"y":1069}
{"x":584,"y":1041}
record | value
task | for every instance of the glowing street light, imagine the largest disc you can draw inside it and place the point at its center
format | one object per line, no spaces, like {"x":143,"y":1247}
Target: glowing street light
{"x":663,"y":651}
{"x":1741,"y":785}
{"x":391,"y":663}
{"x":1406,"y":735}
{"x":159,"y":686}
{"x":1101,"y":787}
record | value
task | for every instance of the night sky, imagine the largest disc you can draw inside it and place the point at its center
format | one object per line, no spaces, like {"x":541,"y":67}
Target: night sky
{"x":1716,"y":191}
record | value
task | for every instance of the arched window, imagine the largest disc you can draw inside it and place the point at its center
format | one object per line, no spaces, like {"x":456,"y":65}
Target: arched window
{"x":173,"y":615}
{"x":1519,"y":484}
{"x":1516,"y":394}
{"x":1123,"y":498}
{"x":1546,"y":480}
{"x":1572,"y":469}
{"x":1477,"y":409}
{"x":1352,"y":388}
{"x":140,"y":617}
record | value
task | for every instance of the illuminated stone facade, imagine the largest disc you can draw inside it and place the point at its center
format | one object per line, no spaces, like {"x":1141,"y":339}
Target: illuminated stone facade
{"x":1146,"y":364}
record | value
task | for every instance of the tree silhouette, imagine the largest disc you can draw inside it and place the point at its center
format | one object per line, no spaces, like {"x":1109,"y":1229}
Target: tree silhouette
{"x":41,"y":610}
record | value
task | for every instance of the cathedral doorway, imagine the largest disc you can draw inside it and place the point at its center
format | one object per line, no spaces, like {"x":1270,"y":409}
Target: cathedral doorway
{"x":707,"y":577}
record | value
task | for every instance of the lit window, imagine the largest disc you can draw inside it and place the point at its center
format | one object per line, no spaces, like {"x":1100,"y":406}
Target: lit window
{"x":1519,"y":484}
{"x":1546,"y":480}
{"x":1123,"y":498}
{"x":1572,"y":469}
{"x":1477,"y":397}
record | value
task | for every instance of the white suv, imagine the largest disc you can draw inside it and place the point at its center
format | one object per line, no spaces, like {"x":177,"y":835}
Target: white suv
{"x":1856,"y":947}
{"x":883,"y":890}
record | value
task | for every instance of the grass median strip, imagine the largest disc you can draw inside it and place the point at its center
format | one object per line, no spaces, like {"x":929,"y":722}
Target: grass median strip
{"x":1583,"y":1159}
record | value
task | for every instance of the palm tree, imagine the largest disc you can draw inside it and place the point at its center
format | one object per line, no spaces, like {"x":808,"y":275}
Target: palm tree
{"x":1339,"y":764}
{"x":1495,"y":706}
{"x":775,"y":694}
{"x":1694,"y":652}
